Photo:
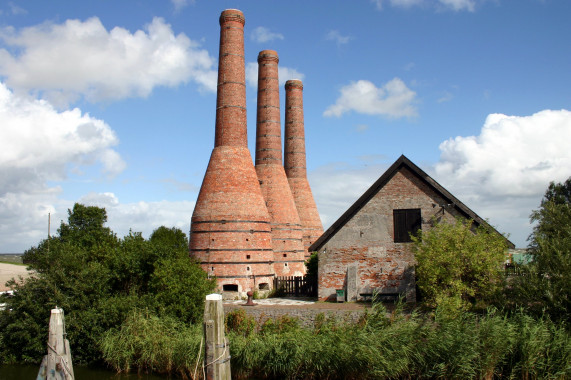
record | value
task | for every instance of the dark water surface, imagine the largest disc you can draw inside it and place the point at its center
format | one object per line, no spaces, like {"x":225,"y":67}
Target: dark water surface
{"x":30,"y":372}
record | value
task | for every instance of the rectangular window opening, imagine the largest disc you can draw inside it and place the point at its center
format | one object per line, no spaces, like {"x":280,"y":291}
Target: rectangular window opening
{"x":406,"y":222}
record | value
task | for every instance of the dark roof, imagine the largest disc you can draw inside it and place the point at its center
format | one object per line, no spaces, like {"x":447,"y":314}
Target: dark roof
{"x":381,"y":182}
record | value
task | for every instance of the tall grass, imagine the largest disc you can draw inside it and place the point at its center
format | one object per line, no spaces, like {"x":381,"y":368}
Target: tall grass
{"x":148,"y":343}
{"x":404,"y":346}
{"x":383,"y":345}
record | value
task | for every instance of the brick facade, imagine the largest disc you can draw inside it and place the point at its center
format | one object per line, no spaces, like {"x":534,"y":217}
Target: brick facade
{"x":287,"y":241}
{"x":230,"y":228}
{"x":363,"y":238}
{"x":295,"y":164}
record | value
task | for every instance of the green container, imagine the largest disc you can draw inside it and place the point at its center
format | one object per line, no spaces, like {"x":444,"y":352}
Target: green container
{"x":340,"y":295}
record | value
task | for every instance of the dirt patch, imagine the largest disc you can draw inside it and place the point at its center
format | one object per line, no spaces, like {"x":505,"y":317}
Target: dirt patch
{"x":9,"y":271}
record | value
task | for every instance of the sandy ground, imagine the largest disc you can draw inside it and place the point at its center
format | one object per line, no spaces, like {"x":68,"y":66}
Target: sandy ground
{"x":8,"y":271}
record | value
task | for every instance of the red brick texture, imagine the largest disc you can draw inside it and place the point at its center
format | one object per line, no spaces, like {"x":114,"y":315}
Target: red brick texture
{"x":367,"y":240}
{"x":295,"y":164}
{"x":231,"y":129}
{"x":287,"y":242}
{"x":230,"y":228}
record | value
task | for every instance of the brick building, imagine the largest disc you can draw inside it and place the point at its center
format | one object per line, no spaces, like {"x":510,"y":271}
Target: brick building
{"x":368,"y":248}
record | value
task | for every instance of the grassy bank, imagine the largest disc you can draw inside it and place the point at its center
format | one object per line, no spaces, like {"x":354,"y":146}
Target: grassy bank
{"x":11,"y":258}
{"x":382,"y":346}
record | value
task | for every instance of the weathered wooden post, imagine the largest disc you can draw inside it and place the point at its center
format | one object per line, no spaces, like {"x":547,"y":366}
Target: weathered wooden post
{"x":57,"y":364}
{"x":217,"y":348}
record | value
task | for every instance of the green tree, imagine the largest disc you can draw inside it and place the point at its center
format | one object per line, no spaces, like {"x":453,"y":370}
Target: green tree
{"x":98,"y":280}
{"x":178,"y":283}
{"x":545,"y":284}
{"x":459,"y":265}
{"x":312,"y":264}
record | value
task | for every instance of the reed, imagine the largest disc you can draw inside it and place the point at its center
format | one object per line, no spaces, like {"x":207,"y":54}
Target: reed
{"x":383,"y":345}
{"x":147,"y":343}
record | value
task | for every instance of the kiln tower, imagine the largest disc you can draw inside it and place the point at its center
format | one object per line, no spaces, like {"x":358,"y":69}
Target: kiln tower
{"x":287,"y":241}
{"x":295,"y":164}
{"x":230,"y":228}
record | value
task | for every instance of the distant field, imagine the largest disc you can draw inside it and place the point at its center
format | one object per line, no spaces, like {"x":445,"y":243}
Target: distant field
{"x":11,"y":258}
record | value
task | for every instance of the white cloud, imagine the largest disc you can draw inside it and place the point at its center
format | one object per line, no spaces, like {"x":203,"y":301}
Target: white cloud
{"x":63,"y":62}
{"x":39,"y":146}
{"x":262,"y":34}
{"x":456,"y":5}
{"x":142,"y":217}
{"x":393,"y":99}
{"x":459,"y":5}
{"x":16,"y":10}
{"x":501,"y":174}
{"x":504,"y":171}
{"x":284,"y":73}
{"x":180,"y":4}
{"x":339,"y":39}
{"x":446,"y":97}
{"x":337,"y":186}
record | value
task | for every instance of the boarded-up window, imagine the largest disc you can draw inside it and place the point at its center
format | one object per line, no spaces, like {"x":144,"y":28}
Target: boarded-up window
{"x":406,"y":222}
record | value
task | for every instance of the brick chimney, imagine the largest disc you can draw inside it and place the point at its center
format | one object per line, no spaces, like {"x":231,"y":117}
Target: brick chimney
{"x":230,"y":228}
{"x":295,"y":164}
{"x":287,"y":241}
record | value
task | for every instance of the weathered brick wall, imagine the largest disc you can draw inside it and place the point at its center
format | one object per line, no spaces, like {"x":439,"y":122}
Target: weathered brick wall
{"x":230,"y":229}
{"x":367,"y":240}
{"x":306,"y":317}
{"x":287,"y":235}
{"x":295,"y":164}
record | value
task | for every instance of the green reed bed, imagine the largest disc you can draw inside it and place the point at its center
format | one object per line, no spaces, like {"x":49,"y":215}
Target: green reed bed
{"x":147,"y":343}
{"x":382,"y":346}
{"x":401,"y":346}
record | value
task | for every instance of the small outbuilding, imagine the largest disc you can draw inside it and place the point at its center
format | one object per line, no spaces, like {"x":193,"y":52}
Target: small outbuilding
{"x":368,"y":249}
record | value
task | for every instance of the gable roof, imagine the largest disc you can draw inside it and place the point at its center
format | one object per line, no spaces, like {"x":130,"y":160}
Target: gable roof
{"x":381,"y":182}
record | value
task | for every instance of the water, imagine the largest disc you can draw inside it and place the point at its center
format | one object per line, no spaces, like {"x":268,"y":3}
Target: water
{"x":30,"y":372}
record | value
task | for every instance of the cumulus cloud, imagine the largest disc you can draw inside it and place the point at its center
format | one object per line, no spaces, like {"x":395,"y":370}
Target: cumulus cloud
{"x":262,"y":34}
{"x":394,"y":99}
{"x":456,"y":5}
{"x":39,"y":146}
{"x":505,"y":170}
{"x":284,"y":73}
{"x":63,"y":62}
{"x":142,"y":217}
{"x":334,"y":35}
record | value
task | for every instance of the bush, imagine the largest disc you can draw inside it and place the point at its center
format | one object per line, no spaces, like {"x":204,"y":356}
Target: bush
{"x":98,"y":279}
{"x":459,"y":265}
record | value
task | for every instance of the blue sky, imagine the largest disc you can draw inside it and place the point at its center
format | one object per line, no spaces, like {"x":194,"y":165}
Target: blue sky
{"x":113,"y":103}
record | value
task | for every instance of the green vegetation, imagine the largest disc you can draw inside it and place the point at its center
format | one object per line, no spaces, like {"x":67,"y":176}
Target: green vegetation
{"x":147,"y":343}
{"x":544,"y":285}
{"x":99,"y":279}
{"x":312,"y":264}
{"x":137,"y":304}
{"x":11,"y":259}
{"x":459,"y":266}
{"x":382,"y":346}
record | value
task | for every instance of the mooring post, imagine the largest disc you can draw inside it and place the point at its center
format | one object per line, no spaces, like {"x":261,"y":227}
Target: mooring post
{"x":57,"y":363}
{"x":217,"y":348}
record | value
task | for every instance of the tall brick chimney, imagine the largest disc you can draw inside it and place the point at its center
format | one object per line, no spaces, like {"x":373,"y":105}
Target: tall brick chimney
{"x":295,"y":164}
{"x":230,"y":228}
{"x":287,"y":235}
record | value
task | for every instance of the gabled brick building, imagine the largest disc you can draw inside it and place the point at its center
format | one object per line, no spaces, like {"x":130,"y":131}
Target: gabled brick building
{"x":368,"y":248}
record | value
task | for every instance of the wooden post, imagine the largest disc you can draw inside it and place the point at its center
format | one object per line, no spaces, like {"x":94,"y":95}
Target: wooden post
{"x":57,"y":363}
{"x":217,"y":348}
